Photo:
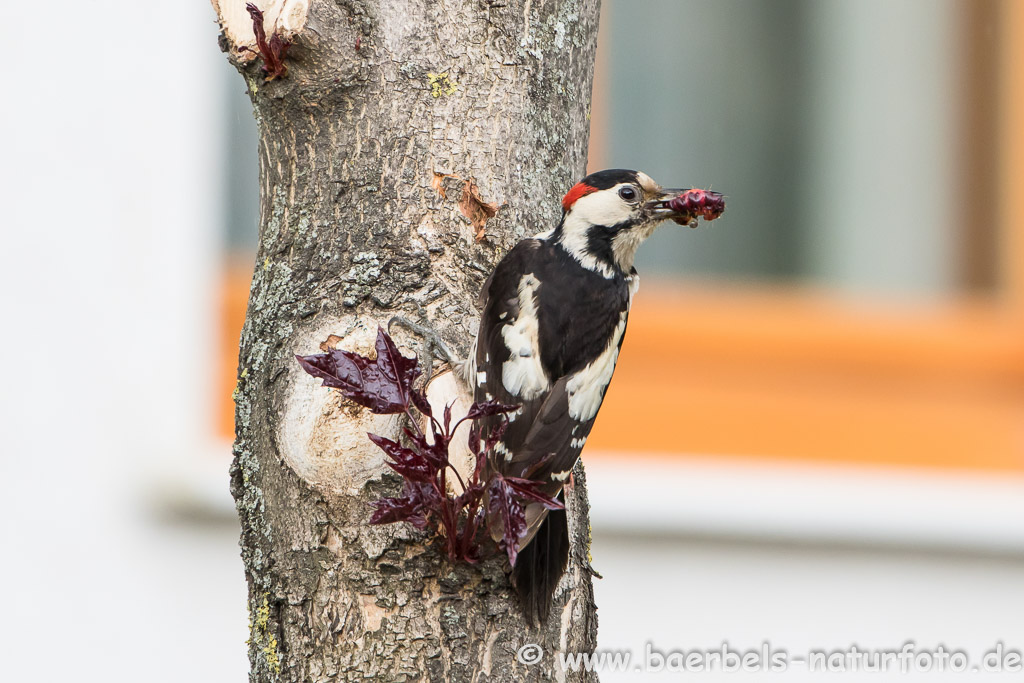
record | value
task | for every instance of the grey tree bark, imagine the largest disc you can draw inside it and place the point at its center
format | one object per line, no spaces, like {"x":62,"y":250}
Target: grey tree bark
{"x":380,"y":97}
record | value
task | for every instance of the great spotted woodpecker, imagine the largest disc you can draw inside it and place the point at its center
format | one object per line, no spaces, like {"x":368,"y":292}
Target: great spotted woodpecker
{"x":554,"y":315}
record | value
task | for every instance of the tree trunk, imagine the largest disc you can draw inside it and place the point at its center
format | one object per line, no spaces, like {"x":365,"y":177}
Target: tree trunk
{"x":380,"y":96}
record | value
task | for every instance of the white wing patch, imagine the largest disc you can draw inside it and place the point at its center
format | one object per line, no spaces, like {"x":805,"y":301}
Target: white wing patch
{"x":522,"y":374}
{"x":500,"y":449}
{"x":586,"y":387}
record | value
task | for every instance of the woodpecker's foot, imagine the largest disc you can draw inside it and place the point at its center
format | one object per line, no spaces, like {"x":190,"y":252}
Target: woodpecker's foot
{"x":431,"y":342}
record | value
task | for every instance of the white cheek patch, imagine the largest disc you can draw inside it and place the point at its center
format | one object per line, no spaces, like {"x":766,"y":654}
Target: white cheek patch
{"x":606,"y":208}
{"x":574,"y":240}
{"x":586,"y":387}
{"x":603,"y":207}
{"x":522,"y":374}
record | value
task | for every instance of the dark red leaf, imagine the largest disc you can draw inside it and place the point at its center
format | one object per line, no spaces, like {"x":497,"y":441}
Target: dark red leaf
{"x":473,"y":494}
{"x":441,"y":440}
{"x":475,"y":446}
{"x":435,"y":454}
{"x":504,"y":507}
{"x":448,"y":419}
{"x":257,"y":22}
{"x":356,"y":377}
{"x":421,"y":403}
{"x":273,"y":51}
{"x":429,"y":501}
{"x":338,"y":369}
{"x":407,"y":462}
{"x":401,"y":371}
{"x":488,"y":408}
{"x":494,"y":436}
{"x":384,"y":386}
{"x":481,"y":446}
{"x":389,"y":510}
{"x":526,"y":489}
{"x":415,"y":506}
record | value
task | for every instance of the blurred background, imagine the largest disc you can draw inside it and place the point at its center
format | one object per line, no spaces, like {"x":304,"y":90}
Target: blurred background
{"x":815,"y":437}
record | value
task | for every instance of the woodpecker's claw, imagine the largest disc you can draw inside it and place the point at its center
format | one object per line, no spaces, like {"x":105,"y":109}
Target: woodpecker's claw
{"x":431,"y":341}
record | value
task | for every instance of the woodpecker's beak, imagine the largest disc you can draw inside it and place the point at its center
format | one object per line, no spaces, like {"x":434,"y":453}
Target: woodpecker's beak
{"x":661,"y":206}
{"x":685,"y":206}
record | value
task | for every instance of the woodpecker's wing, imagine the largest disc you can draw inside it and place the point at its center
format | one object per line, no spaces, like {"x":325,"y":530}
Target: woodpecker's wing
{"x":549,"y":337}
{"x":553,"y":443}
{"x":503,"y":309}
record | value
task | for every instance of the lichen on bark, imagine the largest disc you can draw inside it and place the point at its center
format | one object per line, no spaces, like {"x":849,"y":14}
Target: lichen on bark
{"x":352,"y":232}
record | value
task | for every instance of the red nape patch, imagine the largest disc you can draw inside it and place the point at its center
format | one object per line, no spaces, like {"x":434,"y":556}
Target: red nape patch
{"x":578,"y":190}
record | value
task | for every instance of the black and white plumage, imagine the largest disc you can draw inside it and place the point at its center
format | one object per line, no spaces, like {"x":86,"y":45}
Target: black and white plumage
{"x":554,"y":317}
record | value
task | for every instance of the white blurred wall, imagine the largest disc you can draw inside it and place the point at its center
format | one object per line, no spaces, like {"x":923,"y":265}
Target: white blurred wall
{"x":109,"y":183}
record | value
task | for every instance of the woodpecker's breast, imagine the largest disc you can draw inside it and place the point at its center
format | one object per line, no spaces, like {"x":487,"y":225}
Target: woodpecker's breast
{"x":546,"y":317}
{"x":553,"y":317}
{"x":587,"y":386}
{"x":549,"y":338}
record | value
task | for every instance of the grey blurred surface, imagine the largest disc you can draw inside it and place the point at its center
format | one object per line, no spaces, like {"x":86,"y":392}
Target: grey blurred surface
{"x":686,"y":593}
{"x":125,"y":594}
{"x":830,"y":125}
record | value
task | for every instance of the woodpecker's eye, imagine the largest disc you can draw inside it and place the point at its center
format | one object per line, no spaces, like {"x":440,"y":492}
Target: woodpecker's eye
{"x":628,"y":193}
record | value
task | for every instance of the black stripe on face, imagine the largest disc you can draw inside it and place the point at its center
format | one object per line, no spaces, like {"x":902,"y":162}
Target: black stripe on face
{"x":599,"y":241}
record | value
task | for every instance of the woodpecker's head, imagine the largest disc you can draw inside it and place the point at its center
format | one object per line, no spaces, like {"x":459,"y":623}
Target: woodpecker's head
{"x":608,"y":214}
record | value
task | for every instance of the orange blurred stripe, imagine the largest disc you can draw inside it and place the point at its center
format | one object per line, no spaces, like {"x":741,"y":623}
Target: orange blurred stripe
{"x":794,"y":375}
{"x":234,"y":297}
{"x":791,"y":375}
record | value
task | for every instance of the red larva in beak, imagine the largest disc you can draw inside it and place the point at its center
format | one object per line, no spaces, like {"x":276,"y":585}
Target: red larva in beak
{"x":697,"y":203}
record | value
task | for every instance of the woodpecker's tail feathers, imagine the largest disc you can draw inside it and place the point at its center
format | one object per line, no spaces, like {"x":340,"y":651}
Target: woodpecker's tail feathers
{"x":541,"y":564}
